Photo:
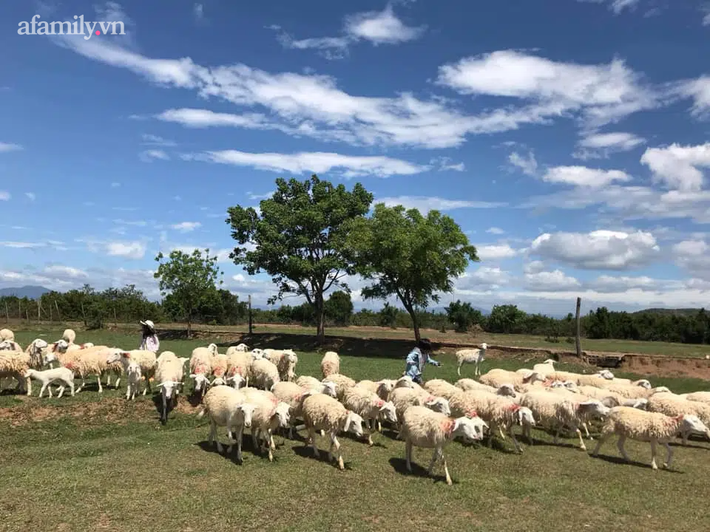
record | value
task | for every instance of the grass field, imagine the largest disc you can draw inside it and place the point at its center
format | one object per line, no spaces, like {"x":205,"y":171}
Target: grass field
{"x":99,"y":462}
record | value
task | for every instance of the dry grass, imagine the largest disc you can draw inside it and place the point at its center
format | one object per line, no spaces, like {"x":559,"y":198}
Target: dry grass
{"x":101,"y":463}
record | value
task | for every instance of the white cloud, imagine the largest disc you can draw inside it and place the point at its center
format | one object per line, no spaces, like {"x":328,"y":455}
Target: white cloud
{"x":314,"y":162}
{"x":328,"y":47}
{"x":533,"y":267}
{"x":65,"y":271}
{"x":381,"y":27}
{"x":427,"y":203}
{"x":253,"y":196}
{"x":150,"y":155}
{"x":694,"y":256}
{"x":706,"y":13}
{"x":495,"y":252}
{"x":4,"y":195}
{"x":495,"y":231}
{"x":608,"y":283}
{"x":5,"y":147}
{"x":601,"y":145}
{"x":155,"y":140}
{"x":445,"y":163}
{"x":23,"y":245}
{"x":186,"y":227}
{"x":617,"y":6}
{"x":600,"y":93}
{"x":583,"y":176}
{"x":483,"y":278}
{"x":198,"y":10}
{"x":678,"y":166}
{"x":698,"y":90}
{"x":115,"y":185}
{"x":137,"y":223}
{"x":526,"y":165}
{"x":598,"y":250}
{"x":129,"y":250}
{"x":546,"y":281}
{"x":31,"y":196}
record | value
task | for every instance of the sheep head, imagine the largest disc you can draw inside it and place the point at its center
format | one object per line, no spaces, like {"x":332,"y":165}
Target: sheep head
{"x":353,"y":424}
{"x":439,"y":404}
{"x":387,"y":411}
{"x":691,"y":423}
{"x":283,"y":415}
{"x":470,"y":428}
{"x":168,"y":387}
{"x":594,"y":408}
{"x":525,"y":416}
{"x":329,"y":388}
{"x":643,"y":383}
{"x":218,"y":381}
{"x":237,"y":380}
{"x":246,"y":411}
{"x":201,"y":381}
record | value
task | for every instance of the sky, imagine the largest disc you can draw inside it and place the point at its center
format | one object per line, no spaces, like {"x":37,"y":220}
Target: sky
{"x":567,"y":138}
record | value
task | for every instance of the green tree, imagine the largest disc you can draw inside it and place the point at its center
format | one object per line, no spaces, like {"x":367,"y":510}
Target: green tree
{"x":408,"y":255}
{"x":188,"y":280}
{"x":388,"y":316}
{"x":339,"y":308}
{"x":298,"y":238}
{"x":463,"y":315}
{"x":506,"y":319}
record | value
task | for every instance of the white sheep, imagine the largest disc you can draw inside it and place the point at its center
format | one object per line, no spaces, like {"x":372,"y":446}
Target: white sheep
{"x":342,"y":383}
{"x":471,"y":356}
{"x":264,"y":374}
{"x":169,"y":374}
{"x":441,"y":388}
{"x":83,"y":362}
{"x":266,"y":418}
{"x":673,"y":406}
{"x":240,"y":348}
{"x":219,"y":369}
{"x":650,"y":427}
{"x":201,"y":368}
{"x":545,"y":368}
{"x":405,"y":398}
{"x":311,"y":383}
{"x":321,"y":412}
{"x":330,"y":364}
{"x":423,"y":428}
{"x":15,"y":364}
{"x":227,"y":407}
{"x":144,"y":358}
{"x":285,"y":360}
{"x":7,"y":334}
{"x":700,"y":397}
{"x":370,"y":407}
{"x":293,"y":395}
{"x":498,"y":377}
{"x":557,"y":412}
{"x":48,"y":376}
{"x":133,"y":376}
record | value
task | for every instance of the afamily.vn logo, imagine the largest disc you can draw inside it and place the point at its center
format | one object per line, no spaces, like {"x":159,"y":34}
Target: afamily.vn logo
{"x":69,"y":28}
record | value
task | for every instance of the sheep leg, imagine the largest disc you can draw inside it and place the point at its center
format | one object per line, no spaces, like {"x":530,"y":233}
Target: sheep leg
{"x":409,"y":455}
{"x":586,"y":430}
{"x":212,"y":437}
{"x":433,"y":461}
{"x":41,"y":391}
{"x":527,"y":432}
{"x":108,"y":379}
{"x":446,"y":469}
{"x":515,"y":442}
{"x":240,"y":431}
{"x":98,"y":379}
{"x":71,"y":387}
{"x":669,"y":457}
{"x":165,"y":407}
{"x":379,"y":426}
{"x":312,"y":440}
{"x":581,"y":440}
{"x":458,"y":369}
{"x":653,"y":455}
{"x":685,"y":434}
{"x":61,"y":392}
{"x":341,"y":465}
{"x":118,"y":381}
{"x":602,"y":439}
{"x":620,"y":446}
{"x":500,"y":430}
{"x":28,"y":385}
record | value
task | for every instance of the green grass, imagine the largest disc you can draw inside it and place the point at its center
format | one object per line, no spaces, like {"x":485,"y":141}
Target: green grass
{"x":99,"y":462}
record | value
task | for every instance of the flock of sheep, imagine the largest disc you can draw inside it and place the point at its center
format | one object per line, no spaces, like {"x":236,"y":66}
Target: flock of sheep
{"x":259,"y":390}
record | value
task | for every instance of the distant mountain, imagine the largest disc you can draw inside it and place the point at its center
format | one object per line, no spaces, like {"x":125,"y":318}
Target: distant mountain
{"x":672,"y":311}
{"x":31,"y":292}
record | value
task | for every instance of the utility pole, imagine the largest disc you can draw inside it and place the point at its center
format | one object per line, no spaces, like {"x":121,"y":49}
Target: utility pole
{"x":250,"y":319}
{"x":578,"y":339}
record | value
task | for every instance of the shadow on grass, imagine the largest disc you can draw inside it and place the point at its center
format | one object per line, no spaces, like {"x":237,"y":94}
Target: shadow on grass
{"x":305,"y":451}
{"x":247,"y":447}
{"x":620,"y":461}
{"x":400,"y":466}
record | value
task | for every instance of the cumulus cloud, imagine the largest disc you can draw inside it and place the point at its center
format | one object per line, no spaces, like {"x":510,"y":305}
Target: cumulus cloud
{"x":547,"y":281}
{"x":430,"y":203}
{"x":598,"y":250}
{"x":608,"y":283}
{"x":483,"y":278}
{"x":128,"y":250}
{"x":4,"y":195}
{"x":694,"y":256}
{"x":495,"y":252}
{"x":601,"y":145}
{"x":583,"y":176}
{"x":617,"y":6}
{"x":495,"y":231}
{"x":186,"y":227}
{"x":527,"y":165}
{"x":314,"y":162}
{"x":155,"y":140}
{"x":148,"y":156}
{"x":678,"y":167}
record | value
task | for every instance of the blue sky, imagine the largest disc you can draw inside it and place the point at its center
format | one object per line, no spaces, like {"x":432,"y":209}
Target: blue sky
{"x":568,"y":138}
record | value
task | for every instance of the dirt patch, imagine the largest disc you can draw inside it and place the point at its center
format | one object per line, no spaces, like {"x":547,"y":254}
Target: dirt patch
{"x":667,"y":366}
{"x":185,"y":406}
{"x":114,"y":411}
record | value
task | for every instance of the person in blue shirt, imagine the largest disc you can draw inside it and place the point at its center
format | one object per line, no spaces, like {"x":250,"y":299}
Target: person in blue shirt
{"x":416,"y":359}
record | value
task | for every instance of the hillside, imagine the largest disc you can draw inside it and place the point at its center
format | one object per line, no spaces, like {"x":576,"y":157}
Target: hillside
{"x":671,"y":311}
{"x":31,"y":292}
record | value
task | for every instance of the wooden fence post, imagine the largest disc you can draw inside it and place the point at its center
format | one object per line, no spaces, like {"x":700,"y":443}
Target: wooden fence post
{"x":250,"y":319}
{"x":578,"y":337}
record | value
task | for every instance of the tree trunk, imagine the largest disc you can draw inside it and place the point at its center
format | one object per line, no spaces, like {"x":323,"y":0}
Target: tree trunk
{"x":320,"y":318}
{"x":189,"y":325}
{"x":415,"y":322}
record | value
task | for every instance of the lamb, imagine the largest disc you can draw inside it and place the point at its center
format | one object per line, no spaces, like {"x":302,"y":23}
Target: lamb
{"x":321,"y":412}
{"x":69,"y":336}
{"x":674,"y":406}
{"x":285,"y":360}
{"x":558,"y":412}
{"x":330,"y":364}
{"x":133,"y":375}
{"x":264,"y":374}
{"x":145,"y":359}
{"x":341,"y":382}
{"x":201,"y":368}
{"x":441,"y":388}
{"x":227,"y":407}
{"x":427,"y":429}
{"x":238,"y":367}
{"x":293,"y":395}
{"x":652,"y":427}
{"x":7,"y":341}
{"x":219,"y":370}
{"x":7,"y":334}
{"x":545,"y":368}
{"x":503,"y":412}
{"x":241,"y":348}
{"x":498,"y":377}
{"x":266,"y":418}
{"x":471,"y":356}
{"x":370,"y":407}
{"x":311,"y":383}
{"x":169,"y":374}
{"x":47,"y":377}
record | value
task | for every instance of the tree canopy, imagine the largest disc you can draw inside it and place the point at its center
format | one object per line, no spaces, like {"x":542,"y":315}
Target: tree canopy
{"x":188,"y":282}
{"x":409,"y":255}
{"x":298,"y":238}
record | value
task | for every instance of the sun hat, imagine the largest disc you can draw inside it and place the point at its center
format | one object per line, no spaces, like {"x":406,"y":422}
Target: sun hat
{"x":148,"y":324}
